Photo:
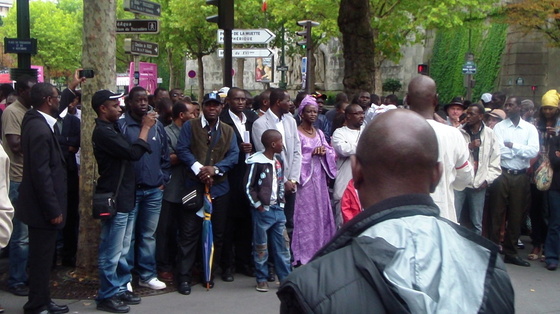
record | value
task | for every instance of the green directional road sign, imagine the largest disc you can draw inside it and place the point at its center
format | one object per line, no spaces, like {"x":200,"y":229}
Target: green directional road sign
{"x":138,"y":26}
{"x":138,"y":47}
{"x":142,"y":7}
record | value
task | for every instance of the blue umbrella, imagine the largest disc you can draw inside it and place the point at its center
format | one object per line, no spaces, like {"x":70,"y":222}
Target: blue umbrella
{"x":207,"y":238}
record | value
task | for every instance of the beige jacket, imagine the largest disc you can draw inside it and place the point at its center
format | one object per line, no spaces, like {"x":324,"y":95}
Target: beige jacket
{"x":488,"y":158}
{"x":6,"y":208}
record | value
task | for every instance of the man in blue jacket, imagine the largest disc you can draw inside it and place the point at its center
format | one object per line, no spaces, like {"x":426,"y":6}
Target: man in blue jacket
{"x":152,"y":173}
{"x":208,"y":148}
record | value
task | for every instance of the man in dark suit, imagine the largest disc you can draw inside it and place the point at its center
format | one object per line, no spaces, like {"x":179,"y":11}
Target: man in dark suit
{"x":238,"y":235}
{"x":67,"y":131}
{"x":43,"y":193}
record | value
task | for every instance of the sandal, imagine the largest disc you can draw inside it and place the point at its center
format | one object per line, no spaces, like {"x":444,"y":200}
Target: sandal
{"x":535,"y":254}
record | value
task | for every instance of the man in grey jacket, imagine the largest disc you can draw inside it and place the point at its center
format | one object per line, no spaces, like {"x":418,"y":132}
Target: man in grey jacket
{"x":398,"y":255}
{"x":485,"y":158}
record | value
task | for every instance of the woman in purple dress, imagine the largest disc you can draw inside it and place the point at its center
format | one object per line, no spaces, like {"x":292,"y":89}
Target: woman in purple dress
{"x":313,"y":217}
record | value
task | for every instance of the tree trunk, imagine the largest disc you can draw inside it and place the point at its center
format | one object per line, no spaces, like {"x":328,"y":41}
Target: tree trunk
{"x":354,"y":22}
{"x":171,"y":67}
{"x":99,"y":47}
{"x":378,"y":84}
{"x":200,"y":78}
{"x":240,"y":72}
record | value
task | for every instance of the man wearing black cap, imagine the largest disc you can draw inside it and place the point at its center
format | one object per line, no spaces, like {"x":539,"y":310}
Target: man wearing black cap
{"x":208,"y":147}
{"x":454,"y":111}
{"x":113,"y":152}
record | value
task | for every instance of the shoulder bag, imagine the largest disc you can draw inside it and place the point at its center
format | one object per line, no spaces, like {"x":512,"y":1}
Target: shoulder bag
{"x":104,"y":204}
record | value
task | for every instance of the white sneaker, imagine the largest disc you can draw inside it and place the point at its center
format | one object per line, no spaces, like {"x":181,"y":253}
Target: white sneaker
{"x":129,"y":286}
{"x":153,"y":283}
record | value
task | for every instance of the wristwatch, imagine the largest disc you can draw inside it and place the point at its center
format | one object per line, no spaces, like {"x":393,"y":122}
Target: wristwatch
{"x":293,"y":181}
{"x":216,"y":170}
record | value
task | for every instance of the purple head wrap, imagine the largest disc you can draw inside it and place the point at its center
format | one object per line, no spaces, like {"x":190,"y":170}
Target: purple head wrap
{"x":308,"y":100}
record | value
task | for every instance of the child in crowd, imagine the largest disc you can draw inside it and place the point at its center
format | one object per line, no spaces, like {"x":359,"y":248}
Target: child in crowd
{"x":264,"y":183}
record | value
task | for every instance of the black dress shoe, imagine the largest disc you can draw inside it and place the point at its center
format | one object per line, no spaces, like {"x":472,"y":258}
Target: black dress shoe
{"x":19,"y":289}
{"x":184,"y":288}
{"x":516,"y":260}
{"x":54,"y":308}
{"x":227,"y":275}
{"x":129,"y":298}
{"x":113,"y":305}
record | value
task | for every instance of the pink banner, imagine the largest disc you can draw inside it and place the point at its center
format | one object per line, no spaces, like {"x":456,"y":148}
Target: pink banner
{"x":40,"y":73}
{"x":148,"y":76}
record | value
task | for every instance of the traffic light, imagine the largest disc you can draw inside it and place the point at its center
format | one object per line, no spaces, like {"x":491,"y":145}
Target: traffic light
{"x":423,"y":69}
{"x":305,"y":41}
{"x":224,"y":19}
{"x":305,"y":35}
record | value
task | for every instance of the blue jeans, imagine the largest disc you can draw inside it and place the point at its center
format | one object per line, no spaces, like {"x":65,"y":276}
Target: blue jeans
{"x":146,"y":216}
{"x":473,"y":200}
{"x":114,"y":245}
{"x":272,"y":222}
{"x":552,"y":243}
{"x":19,"y":245}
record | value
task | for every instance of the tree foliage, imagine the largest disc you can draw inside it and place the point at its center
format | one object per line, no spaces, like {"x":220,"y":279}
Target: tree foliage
{"x":542,"y":16}
{"x":392,"y":85}
{"x":450,"y":47}
{"x":58,"y":30}
{"x":393,"y":24}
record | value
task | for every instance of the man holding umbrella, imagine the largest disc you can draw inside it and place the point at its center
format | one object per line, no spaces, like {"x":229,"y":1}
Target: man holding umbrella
{"x":209,"y":150}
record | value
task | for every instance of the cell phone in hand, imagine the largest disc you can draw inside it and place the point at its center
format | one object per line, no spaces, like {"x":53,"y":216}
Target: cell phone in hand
{"x":86,"y":73}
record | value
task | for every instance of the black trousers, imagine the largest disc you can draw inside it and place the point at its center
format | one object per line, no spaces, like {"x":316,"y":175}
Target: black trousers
{"x":508,"y":200}
{"x":71,"y":228}
{"x":238,"y":238}
{"x":166,"y":236}
{"x":538,"y":213}
{"x":42,"y":244}
{"x":190,"y":231}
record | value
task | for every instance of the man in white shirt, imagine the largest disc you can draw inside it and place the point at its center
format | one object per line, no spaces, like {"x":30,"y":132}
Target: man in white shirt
{"x":344,"y":141}
{"x":519,"y":142}
{"x":453,"y":153}
{"x":238,"y":235}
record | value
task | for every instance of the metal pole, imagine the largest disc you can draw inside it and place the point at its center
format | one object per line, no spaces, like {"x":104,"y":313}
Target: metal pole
{"x":136,"y":58}
{"x":23,"y":31}
{"x":283,"y":83}
{"x":228,"y":62}
{"x":309,"y":54}
{"x":468,"y":83}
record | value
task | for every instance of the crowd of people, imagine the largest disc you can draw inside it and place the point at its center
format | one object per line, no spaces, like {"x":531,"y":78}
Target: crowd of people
{"x":283,"y":176}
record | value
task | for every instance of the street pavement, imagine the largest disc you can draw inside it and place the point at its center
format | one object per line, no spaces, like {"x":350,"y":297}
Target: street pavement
{"x":537,"y":290}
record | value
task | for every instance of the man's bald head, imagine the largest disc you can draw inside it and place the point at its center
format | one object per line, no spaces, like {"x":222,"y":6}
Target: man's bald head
{"x":422,"y":96}
{"x":393,"y":160}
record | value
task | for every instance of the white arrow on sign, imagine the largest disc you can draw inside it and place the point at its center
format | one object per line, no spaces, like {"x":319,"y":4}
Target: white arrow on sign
{"x":248,"y":36}
{"x":247,"y":53}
